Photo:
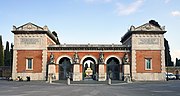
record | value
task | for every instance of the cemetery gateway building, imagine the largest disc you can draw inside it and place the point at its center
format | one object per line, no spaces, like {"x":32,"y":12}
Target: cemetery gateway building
{"x":38,"y":54}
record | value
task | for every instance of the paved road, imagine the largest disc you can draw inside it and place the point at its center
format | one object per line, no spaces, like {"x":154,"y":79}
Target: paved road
{"x":41,"y":88}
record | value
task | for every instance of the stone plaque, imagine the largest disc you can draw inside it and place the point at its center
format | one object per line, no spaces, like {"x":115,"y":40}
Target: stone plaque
{"x":148,"y":41}
{"x":30,"y":41}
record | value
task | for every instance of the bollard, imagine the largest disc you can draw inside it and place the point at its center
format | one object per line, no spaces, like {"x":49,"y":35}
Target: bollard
{"x":109,"y":77}
{"x":50,"y":79}
{"x":68,"y":81}
{"x":128,"y":79}
{"x":109,"y":81}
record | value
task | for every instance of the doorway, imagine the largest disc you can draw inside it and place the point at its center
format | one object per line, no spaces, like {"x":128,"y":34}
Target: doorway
{"x":65,"y":68}
{"x":113,"y":68}
{"x":89,"y":69}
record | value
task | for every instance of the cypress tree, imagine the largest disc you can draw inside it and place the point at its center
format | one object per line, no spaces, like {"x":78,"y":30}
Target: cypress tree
{"x":1,"y":52}
{"x":168,"y":61}
{"x":7,"y":55}
{"x":11,"y":53}
{"x":177,"y":62}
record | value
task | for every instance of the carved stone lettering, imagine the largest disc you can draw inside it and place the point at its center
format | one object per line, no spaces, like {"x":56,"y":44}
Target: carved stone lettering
{"x":30,"y":40}
{"x":153,"y":41}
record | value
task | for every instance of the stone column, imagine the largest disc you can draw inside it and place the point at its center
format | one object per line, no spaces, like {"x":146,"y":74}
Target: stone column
{"x":101,"y":75}
{"x":51,"y":72}
{"x":76,"y":68}
{"x":126,"y":62}
{"x":76,"y":72}
{"x":133,"y":64}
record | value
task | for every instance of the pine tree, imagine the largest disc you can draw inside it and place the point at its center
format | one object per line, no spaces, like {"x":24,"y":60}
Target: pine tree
{"x":7,"y":55}
{"x":1,"y":52}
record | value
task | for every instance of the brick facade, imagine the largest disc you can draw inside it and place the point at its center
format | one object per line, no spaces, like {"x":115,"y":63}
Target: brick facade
{"x":38,"y":43}
{"x":37,"y":60}
{"x":156,"y":61}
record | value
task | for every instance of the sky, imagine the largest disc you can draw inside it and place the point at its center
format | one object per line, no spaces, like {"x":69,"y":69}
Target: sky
{"x":92,"y":21}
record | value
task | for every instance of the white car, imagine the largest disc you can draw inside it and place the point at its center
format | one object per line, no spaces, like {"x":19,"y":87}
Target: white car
{"x":170,"y":76}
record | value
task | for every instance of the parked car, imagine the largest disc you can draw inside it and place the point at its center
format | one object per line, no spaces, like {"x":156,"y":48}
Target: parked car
{"x":170,"y":76}
{"x":177,"y":76}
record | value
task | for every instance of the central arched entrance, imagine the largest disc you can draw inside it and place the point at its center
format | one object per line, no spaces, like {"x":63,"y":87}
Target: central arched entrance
{"x":89,"y":67}
{"x":113,"y":68}
{"x":65,"y":68}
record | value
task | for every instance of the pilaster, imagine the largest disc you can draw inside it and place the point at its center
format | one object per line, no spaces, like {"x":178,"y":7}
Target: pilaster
{"x":102,"y":73}
{"x":51,"y":71}
{"x":44,"y":64}
{"x":14,"y":68}
{"x":76,"y":72}
{"x":163,"y":68}
{"x":133,"y":65}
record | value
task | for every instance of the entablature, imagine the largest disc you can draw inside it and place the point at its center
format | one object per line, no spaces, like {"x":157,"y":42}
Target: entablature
{"x":89,"y":47}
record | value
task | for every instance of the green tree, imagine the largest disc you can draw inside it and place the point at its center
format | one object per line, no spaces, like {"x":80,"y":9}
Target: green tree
{"x":168,"y":61}
{"x":177,"y":62}
{"x":11,"y":53}
{"x":55,"y":34}
{"x":1,"y":52}
{"x":7,"y":55}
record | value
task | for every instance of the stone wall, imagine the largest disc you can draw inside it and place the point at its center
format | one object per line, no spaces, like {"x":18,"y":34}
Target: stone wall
{"x":58,"y":55}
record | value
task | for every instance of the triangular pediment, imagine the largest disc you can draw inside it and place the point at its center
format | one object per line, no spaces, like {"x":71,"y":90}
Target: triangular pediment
{"x":147,"y":27}
{"x":30,"y":27}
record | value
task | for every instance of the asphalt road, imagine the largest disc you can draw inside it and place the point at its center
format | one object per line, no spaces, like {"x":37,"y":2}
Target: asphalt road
{"x":41,"y":88}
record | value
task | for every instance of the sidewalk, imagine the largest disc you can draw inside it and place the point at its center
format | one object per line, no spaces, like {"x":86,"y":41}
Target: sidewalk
{"x":92,"y":82}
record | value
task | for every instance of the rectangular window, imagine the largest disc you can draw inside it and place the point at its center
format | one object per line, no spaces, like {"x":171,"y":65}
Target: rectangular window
{"x":148,"y":63}
{"x":29,"y":63}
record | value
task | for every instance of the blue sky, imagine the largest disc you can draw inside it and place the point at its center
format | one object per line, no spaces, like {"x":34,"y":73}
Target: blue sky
{"x":92,"y":21}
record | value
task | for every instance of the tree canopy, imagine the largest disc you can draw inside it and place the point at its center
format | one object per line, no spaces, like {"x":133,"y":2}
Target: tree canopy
{"x":7,"y":55}
{"x":168,"y":61}
{"x":1,"y":52}
{"x":153,"y":22}
{"x":177,"y":62}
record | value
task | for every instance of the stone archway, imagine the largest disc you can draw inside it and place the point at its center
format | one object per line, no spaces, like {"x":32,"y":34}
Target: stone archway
{"x":89,"y":69}
{"x":113,"y":68}
{"x":65,"y":68}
